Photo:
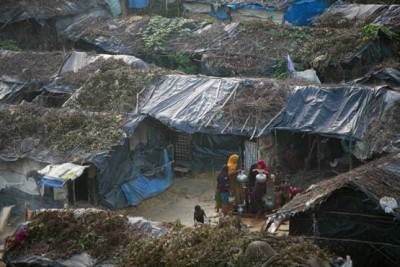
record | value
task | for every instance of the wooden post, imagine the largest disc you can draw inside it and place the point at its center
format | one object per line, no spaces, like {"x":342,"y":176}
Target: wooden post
{"x":319,"y":153}
{"x":73,"y":192}
{"x":124,"y":8}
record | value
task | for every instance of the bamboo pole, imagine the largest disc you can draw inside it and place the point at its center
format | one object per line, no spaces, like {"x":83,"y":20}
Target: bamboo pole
{"x":124,"y":8}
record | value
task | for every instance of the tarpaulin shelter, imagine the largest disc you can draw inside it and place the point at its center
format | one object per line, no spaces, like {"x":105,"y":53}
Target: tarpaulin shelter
{"x":348,"y":214}
{"x":304,"y":12}
{"x":202,"y":116}
{"x":43,"y":26}
{"x":343,"y":112}
{"x":57,"y":175}
{"x":362,"y":14}
{"x":124,"y":178}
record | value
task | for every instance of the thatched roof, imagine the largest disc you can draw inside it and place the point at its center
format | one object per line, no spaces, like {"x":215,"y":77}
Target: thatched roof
{"x":12,"y":11}
{"x":376,"y":179}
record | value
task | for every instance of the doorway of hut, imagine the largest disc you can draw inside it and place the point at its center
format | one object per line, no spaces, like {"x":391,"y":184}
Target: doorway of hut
{"x":307,"y":151}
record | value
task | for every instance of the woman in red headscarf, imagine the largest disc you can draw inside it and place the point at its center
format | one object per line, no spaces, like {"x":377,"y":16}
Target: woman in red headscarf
{"x":262,"y":165}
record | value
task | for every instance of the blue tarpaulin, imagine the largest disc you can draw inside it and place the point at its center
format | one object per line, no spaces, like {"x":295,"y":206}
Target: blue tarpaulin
{"x":246,"y":6}
{"x":304,"y":12}
{"x":143,"y":187}
{"x":138,"y":3}
{"x":51,"y":182}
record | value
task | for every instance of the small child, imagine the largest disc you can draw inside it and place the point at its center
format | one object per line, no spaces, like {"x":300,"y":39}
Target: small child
{"x":199,"y":215}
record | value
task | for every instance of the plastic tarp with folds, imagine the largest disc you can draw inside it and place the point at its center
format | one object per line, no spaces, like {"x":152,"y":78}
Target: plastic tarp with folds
{"x":209,"y":152}
{"x":77,"y":60}
{"x":390,"y":76}
{"x":389,"y":17}
{"x":127,"y":177}
{"x":33,"y":9}
{"x":341,"y":112}
{"x":304,"y":12}
{"x":11,"y":91}
{"x":143,"y":187}
{"x":193,"y":104}
{"x":355,"y":12}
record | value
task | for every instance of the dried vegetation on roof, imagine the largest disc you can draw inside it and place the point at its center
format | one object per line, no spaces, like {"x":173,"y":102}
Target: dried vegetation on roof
{"x":61,"y":131}
{"x":114,"y":88}
{"x":108,"y":236}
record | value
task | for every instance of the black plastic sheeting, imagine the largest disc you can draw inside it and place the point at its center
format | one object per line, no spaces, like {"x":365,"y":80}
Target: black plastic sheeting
{"x":11,"y":91}
{"x":28,"y":9}
{"x":211,"y":152}
{"x":208,"y":152}
{"x":340,"y":112}
{"x":121,"y":165}
{"x":389,"y":18}
{"x":193,"y":104}
{"x":390,"y":76}
{"x":339,"y":218}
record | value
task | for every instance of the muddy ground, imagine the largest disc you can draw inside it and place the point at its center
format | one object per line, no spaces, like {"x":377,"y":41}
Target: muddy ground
{"x":177,"y":202}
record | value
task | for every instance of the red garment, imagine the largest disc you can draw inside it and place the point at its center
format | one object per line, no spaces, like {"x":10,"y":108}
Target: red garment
{"x":264,"y":166}
{"x":294,"y":191}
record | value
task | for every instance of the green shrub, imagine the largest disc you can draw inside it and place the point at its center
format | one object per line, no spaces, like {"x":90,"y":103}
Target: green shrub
{"x":9,"y":45}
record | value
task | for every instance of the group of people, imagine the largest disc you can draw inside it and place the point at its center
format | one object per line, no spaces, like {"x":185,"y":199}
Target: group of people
{"x":250,"y":193}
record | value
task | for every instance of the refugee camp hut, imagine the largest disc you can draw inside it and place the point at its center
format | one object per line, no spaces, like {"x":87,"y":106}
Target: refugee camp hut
{"x":209,"y":118}
{"x":23,"y":74}
{"x":356,"y":15}
{"x":331,"y":127}
{"x":170,"y":8}
{"x":298,"y":13}
{"x":31,"y":26}
{"x":377,"y":30}
{"x":354,"y":213}
{"x":19,"y":185}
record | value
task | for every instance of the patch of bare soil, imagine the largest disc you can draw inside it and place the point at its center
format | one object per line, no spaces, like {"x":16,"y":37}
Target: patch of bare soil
{"x":177,"y":202}
{"x":31,"y":66}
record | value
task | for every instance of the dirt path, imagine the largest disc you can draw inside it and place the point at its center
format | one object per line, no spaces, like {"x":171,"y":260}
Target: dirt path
{"x":179,"y":200}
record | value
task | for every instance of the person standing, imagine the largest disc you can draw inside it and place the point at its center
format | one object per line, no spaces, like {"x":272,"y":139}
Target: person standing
{"x":235,"y":186}
{"x":223,"y":189}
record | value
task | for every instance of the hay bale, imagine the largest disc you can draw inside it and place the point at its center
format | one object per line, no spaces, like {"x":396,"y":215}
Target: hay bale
{"x":259,"y":250}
